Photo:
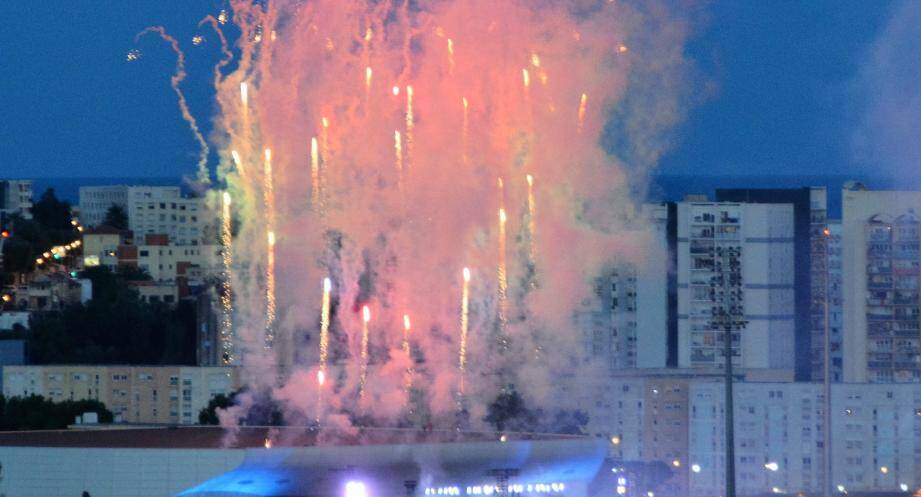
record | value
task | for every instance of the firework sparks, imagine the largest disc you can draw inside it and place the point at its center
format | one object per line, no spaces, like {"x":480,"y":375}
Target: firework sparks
{"x":133,"y":55}
{"x":465,"y":321}
{"x":269,"y":201}
{"x":583,"y":103}
{"x":465,"y":129}
{"x":407,"y":328}
{"x":410,"y":124}
{"x":502,"y":271}
{"x":197,"y":40}
{"x":398,"y":152}
{"x":314,"y":173}
{"x":244,"y":95}
{"x":365,"y":338}
{"x":450,"y":56}
{"x":532,"y":220}
{"x":175,"y":80}
{"x":227,"y":345}
{"x":222,"y":16}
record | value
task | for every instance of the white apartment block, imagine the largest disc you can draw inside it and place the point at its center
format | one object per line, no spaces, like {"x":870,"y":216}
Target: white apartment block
{"x":626,"y":325}
{"x":150,"y":209}
{"x":165,"y":262}
{"x":16,"y":198}
{"x":881,"y":267}
{"x":835,"y":304}
{"x":134,"y":394}
{"x":735,"y":269}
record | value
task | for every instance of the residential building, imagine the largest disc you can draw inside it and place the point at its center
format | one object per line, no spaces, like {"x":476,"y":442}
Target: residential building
{"x":881,"y":277}
{"x":134,"y":394}
{"x":835,"y":303}
{"x":734,"y":265}
{"x":809,"y":267}
{"x":627,"y":324}
{"x":15,"y":198}
{"x":100,"y":246}
{"x":150,"y":210}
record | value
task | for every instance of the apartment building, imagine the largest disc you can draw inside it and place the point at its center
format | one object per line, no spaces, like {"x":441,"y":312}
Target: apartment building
{"x":15,"y":198}
{"x":134,"y":394}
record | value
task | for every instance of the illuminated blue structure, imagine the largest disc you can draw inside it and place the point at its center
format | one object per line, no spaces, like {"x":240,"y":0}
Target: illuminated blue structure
{"x":572,"y":467}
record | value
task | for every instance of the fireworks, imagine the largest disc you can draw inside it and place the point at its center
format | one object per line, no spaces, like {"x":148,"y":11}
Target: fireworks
{"x":410,"y":123}
{"x":226,"y":296}
{"x":526,"y":78}
{"x":133,"y":55}
{"x":324,"y":323}
{"x":314,"y":173}
{"x":407,"y":327}
{"x":363,"y":374}
{"x":450,"y":56}
{"x":270,"y":290}
{"x":465,"y":322}
{"x":197,"y":40}
{"x":532,"y":222}
{"x":502,"y":272}
{"x":398,"y":152}
{"x":244,"y":94}
{"x":583,"y":102}
{"x":465,"y":130}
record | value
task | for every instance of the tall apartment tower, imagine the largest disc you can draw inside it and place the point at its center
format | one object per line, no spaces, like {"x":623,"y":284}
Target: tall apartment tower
{"x":16,"y":198}
{"x":627,"y":325}
{"x":809,"y":267}
{"x":835,"y":305}
{"x":734,"y":270}
{"x":881,"y":275}
{"x":150,"y":210}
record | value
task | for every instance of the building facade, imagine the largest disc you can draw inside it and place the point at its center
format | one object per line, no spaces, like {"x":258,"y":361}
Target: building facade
{"x":15,"y":198}
{"x":134,"y":394}
{"x":881,"y":279}
{"x":734,"y":271}
{"x":150,"y":210}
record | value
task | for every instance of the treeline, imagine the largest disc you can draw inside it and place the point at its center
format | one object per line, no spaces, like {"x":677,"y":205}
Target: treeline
{"x":115,"y":327}
{"x":38,"y":413}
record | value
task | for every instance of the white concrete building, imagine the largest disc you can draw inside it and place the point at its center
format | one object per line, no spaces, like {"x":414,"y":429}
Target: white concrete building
{"x":626,"y":326}
{"x":735,"y":268}
{"x":16,"y":198}
{"x":150,"y":209}
{"x":835,"y":303}
{"x":134,"y":394}
{"x":881,"y":233}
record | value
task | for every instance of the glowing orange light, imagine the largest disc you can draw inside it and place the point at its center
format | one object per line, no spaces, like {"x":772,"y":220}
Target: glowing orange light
{"x":526,"y":78}
{"x":366,"y":314}
{"x":466,"y":275}
{"x":406,"y":324}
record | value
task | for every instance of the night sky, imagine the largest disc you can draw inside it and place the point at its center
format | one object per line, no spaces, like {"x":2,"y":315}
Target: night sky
{"x":779,"y":88}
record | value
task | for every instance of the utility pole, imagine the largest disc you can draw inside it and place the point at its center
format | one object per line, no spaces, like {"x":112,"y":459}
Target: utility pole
{"x":826,"y":410}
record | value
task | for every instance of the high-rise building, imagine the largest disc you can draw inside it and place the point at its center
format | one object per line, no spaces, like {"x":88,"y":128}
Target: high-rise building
{"x":881,"y":275}
{"x":835,"y":306}
{"x":150,"y":210}
{"x":627,"y":324}
{"x":809,"y":267}
{"x":734,"y":274}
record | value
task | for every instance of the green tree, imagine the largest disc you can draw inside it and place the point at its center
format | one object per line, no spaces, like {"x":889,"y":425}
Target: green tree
{"x":116,"y":217}
{"x":208,"y":415}
{"x":508,"y":412}
{"x":52,"y":213}
{"x":37,"y":413}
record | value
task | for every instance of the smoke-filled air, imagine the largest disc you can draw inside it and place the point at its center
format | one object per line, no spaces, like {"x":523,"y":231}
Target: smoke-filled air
{"x":415,"y":198}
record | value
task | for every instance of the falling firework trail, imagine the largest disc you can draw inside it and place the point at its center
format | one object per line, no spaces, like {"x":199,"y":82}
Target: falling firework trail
{"x":270,"y":291}
{"x":502,"y":274}
{"x":407,"y":327}
{"x":227,"y":345}
{"x":465,"y":321}
{"x":365,"y":337}
{"x":583,"y":102}
{"x":314,"y":174}
{"x":368,"y":74}
{"x":450,"y":57}
{"x":237,"y":162}
{"x":324,"y":344}
{"x":226,"y":54}
{"x":244,"y":96}
{"x":410,"y":124}
{"x":269,"y":200}
{"x":175,"y":80}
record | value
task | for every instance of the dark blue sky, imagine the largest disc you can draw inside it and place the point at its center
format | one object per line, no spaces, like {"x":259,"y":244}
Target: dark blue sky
{"x":778,"y":76}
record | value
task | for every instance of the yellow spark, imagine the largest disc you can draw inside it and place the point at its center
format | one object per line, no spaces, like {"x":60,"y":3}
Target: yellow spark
{"x":532,"y":221}
{"x":583,"y":103}
{"x":450,"y":56}
{"x":396,"y":90}
{"x":324,"y":323}
{"x":244,"y":94}
{"x":330,"y":45}
{"x":269,"y":200}
{"x":410,"y":125}
{"x":321,"y":377}
{"x":465,"y":309}
{"x":622,"y":48}
{"x":222,"y":16}
{"x":236,"y":160}
{"x":535,"y":60}
{"x":325,"y":122}
{"x":369,"y":33}
{"x":314,"y":173}
{"x":526,"y":78}
{"x":133,"y":55}
{"x":366,"y":317}
{"x":408,"y":380}
{"x":272,"y":35}
{"x":227,"y":345}
{"x":501,"y":269}
{"x":197,"y":39}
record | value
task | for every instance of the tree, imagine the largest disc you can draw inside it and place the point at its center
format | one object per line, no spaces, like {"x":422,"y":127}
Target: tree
{"x":37,"y":413}
{"x":52,"y":213}
{"x":208,"y":415}
{"x":116,"y":217}
{"x":508,"y":412}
